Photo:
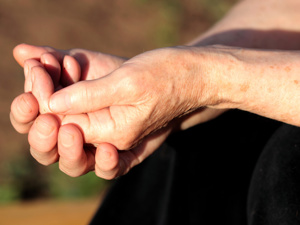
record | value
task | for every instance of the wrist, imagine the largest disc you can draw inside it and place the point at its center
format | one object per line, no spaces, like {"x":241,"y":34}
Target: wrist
{"x":222,"y":77}
{"x":212,"y":85}
{"x":261,"y":82}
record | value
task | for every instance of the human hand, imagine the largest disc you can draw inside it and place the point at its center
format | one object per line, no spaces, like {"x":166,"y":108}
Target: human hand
{"x":143,"y":96}
{"x":25,"y":112}
{"x":63,"y":70}
{"x":78,"y":161}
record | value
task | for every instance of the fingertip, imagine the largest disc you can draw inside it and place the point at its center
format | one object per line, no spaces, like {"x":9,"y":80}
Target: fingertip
{"x":17,"y":53}
{"x":74,"y":161}
{"x":60,"y":102}
{"x":52,"y":65}
{"x":70,"y":136}
{"x":24,"y":108}
{"x":71,"y":71}
{"x":46,"y":125}
{"x":107,"y":156}
{"x":107,"y":161}
{"x":24,"y":51}
{"x":43,"y":133}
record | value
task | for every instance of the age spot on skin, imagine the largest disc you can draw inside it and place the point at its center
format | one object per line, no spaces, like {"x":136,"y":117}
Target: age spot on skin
{"x":270,"y":90}
{"x":296,"y":82}
{"x":287,"y":69}
{"x":244,"y":87}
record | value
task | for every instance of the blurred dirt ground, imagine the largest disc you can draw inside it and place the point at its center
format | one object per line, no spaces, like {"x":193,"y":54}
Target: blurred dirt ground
{"x":118,"y":27}
{"x":50,"y":212}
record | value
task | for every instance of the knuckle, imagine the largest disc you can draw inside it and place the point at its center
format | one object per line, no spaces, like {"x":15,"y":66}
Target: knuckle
{"x":135,"y":85}
{"x":131,"y":83}
{"x":86,"y":95}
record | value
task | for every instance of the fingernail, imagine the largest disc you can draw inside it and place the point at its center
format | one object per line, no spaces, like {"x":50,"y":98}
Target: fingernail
{"x":67,"y":139}
{"x":60,"y":102}
{"x":23,"y":106}
{"x":44,"y":127}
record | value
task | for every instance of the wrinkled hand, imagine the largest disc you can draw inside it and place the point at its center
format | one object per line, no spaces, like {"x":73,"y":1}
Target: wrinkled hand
{"x":64,"y":68}
{"x":151,"y":90}
{"x":141,"y":97}
{"x":44,"y":129}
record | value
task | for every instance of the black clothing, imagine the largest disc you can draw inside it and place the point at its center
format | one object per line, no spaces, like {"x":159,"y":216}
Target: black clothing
{"x":274,"y":196}
{"x":202,"y":176}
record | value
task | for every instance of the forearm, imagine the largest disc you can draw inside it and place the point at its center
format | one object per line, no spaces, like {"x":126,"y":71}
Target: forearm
{"x":268,"y":24}
{"x":262,"y":82}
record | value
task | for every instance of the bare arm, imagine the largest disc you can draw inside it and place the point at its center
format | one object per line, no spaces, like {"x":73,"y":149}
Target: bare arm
{"x":264,"y":24}
{"x":268,"y":24}
{"x":261,"y":82}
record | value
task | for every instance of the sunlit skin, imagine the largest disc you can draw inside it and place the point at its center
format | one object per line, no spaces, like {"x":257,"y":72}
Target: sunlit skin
{"x":135,"y":105}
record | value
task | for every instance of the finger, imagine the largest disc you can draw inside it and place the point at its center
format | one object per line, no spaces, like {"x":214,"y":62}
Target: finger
{"x":107,"y":161}
{"x":42,"y":138}
{"x":28,"y":65}
{"x":71,"y":71}
{"x":42,"y":88}
{"x":52,"y":66}
{"x":74,"y":160}
{"x":23,"y":52}
{"x":92,"y":95}
{"x":108,"y":167}
{"x":111,"y":164}
{"x":24,"y":109}
{"x":96,"y":127}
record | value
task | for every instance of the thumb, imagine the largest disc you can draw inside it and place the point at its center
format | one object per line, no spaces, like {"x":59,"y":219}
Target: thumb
{"x":88,"y":96}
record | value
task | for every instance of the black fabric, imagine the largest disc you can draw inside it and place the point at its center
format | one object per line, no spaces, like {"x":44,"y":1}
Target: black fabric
{"x":143,"y":195}
{"x":274,"y":195}
{"x":199,"y":176}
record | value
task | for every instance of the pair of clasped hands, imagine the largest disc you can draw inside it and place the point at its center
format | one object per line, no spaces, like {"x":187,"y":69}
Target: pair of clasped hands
{"x":91,"y":111}
{"x":96,"y":112}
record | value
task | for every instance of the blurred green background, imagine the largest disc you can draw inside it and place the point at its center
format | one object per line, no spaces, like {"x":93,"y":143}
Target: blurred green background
{"x":120,"y":27}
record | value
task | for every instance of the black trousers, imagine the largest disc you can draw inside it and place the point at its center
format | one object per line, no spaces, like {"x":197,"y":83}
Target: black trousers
{"x":237,"y":169}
